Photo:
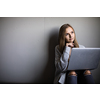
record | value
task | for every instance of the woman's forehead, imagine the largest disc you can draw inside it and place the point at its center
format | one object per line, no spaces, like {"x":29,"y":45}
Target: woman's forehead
{"x":68,"y":30}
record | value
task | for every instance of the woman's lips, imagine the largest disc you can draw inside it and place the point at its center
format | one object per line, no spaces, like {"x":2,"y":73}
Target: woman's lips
{"x":71,"y":39}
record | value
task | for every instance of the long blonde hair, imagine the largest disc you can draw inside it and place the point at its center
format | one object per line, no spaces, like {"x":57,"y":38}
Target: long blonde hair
{"x":61,"y":38}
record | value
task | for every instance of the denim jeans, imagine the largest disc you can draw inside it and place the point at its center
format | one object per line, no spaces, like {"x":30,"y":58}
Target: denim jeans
{"x":80,"y":78}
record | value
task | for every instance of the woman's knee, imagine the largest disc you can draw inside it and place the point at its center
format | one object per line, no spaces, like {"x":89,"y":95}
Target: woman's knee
{"x":87,"y":72}
{"x":72,"y":73}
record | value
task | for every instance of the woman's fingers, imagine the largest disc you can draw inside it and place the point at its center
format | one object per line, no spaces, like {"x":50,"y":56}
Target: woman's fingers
{"x":71,"y":44}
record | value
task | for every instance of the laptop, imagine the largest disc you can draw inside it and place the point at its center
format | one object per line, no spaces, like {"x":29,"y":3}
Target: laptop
{"x":84,"y":58}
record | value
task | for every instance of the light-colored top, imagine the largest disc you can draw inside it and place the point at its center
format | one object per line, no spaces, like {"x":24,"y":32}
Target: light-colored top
{"x":61,"y":62}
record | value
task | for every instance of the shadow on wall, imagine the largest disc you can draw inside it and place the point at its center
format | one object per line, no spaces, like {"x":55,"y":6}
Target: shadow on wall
{"x":49,"y":72}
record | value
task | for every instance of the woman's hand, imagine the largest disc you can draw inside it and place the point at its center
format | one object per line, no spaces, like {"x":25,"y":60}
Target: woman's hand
{"x":70,"y":45}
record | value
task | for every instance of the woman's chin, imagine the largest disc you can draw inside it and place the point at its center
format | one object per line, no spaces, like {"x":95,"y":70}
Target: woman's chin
{"x":70,"y":41}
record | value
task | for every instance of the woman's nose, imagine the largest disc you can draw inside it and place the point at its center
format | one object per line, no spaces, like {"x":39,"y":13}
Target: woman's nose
{"x":70,"y":35}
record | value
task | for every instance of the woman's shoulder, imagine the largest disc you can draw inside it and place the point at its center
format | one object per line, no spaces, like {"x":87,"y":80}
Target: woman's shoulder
{"x":57,"y":47}
{"x":81,"y":46}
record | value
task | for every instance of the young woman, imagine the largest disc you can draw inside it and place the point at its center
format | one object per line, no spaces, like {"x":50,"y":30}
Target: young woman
{"x":67,"y":41}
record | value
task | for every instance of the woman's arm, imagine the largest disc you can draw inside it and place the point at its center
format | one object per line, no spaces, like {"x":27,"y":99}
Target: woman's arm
{"x":61,"y":60}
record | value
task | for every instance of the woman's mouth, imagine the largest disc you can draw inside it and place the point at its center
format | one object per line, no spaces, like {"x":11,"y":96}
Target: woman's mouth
{"x":70,"y":38}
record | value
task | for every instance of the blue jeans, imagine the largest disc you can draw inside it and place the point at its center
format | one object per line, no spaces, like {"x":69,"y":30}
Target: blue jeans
{"x":80,"y":78}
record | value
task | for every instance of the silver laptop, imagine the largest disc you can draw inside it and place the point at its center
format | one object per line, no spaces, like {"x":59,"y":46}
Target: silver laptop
{"x":84,"y":58}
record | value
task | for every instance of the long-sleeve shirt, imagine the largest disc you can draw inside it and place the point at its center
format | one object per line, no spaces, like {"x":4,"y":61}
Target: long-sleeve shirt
{"x":61,"y":63}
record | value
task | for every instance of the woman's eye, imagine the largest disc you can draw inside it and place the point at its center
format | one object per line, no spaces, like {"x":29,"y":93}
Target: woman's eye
{"x":72,"y":32}
{"x":66,"y":33}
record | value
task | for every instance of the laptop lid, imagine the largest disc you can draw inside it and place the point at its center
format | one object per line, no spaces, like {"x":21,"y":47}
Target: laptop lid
{"x":84,"y":58}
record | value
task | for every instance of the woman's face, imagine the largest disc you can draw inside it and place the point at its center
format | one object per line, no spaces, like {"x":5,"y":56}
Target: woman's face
{"x":69,"y":35}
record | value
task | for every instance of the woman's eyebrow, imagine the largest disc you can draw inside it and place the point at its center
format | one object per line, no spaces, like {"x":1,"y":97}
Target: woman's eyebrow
{"x":72,"y":31}
{"x":66,"y":33}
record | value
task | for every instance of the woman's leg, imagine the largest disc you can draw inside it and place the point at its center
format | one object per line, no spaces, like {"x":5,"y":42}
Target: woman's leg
{"x":88,"y":77}
{"x":72,"y":78}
